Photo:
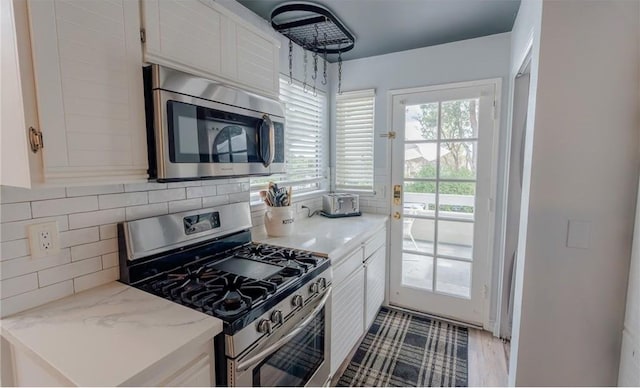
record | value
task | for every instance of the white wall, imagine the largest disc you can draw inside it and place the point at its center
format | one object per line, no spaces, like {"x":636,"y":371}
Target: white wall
{"x":583,"y":156}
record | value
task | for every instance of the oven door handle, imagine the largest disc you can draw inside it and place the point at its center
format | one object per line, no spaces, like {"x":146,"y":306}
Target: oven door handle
{"x":248,"y":363}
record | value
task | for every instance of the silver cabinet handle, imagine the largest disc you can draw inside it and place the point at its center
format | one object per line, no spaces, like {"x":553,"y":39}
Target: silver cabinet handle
{"x":246,"y":364}
{"x":270,"y":142}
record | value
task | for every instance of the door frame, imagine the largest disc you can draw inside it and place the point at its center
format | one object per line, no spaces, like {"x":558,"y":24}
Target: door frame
{"x":487,"y":322}
{"x":521,"y":64}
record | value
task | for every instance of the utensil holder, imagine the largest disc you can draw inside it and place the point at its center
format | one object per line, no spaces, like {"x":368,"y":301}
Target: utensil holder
{"x":279,"y":221}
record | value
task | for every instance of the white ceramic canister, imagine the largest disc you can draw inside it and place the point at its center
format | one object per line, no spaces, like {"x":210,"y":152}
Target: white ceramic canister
{"x":279,"y":221}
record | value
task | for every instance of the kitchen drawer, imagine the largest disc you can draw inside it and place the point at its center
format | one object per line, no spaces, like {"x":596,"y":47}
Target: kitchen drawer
{"x":345,"y":267}
{"x":376,"y":241}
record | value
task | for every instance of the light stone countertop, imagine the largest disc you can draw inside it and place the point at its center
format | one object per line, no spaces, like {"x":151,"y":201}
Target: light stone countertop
{"x":108,"y":335}
{"x":332,"y":237}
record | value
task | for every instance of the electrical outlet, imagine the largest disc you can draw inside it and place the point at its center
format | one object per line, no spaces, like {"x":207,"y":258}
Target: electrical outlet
{"x":44,"y":240}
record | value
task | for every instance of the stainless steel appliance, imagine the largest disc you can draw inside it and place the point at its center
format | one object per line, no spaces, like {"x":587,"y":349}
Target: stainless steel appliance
{"x":272,"y":300}
{"x":198,"y":128}
{"x":340,"y":205}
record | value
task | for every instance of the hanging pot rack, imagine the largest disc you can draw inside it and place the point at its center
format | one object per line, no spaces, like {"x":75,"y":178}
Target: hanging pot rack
{"x":315,"y":29}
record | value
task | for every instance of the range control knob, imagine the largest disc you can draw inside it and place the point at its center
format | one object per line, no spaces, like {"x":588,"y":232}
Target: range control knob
{"x":314,"y":288}
{"x":264,"y":326}
{"x":323,"y":283}
{"x":276,"y":317}
{"x":297,"y":301}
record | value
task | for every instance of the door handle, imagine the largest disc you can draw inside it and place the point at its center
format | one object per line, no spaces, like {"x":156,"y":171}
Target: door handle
{"x":397,"y":215}
{"x":268,"y":145}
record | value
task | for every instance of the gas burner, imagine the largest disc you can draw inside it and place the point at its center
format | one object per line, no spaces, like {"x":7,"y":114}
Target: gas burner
{"x":257,"y":250}
{"x":231,"y":294}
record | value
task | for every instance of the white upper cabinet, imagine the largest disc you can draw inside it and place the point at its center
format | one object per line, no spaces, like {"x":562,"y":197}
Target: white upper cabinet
{"x":87,"y":68}
{"x":258,"y":60}
{"x":202,"y":37}
{"x":14,"y":155}
{"x":183,"y":34}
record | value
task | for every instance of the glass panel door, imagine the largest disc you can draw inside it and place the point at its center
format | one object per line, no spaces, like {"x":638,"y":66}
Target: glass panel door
{"x":442,"y":160}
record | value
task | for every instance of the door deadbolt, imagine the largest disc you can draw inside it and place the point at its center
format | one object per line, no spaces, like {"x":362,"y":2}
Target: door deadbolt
{"x":397,"y":194}
{"x":396,"y":215}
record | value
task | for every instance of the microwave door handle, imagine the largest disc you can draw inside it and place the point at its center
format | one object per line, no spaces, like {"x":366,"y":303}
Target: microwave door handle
{"x":270,"y":142}
{"x":246,"y":364}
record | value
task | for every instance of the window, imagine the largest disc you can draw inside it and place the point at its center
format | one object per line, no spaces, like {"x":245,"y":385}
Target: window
{"x":305,"y":142}
{"x":354,"y":140}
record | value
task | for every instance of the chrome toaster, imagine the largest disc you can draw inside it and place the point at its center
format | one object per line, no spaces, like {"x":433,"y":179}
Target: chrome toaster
{"x":340,"y":205}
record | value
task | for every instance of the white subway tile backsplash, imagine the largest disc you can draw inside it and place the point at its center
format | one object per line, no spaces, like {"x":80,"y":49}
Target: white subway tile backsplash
{"x":18,"y":285}
{"x":10,"y":194}
{"x":100,"y":217}
{"x":101,"y":247}
{"x":108,"y":231}
{"x":175,"y":185}
{"x":35,"y":298}
{"x":57,"y":207}
{"x":183,"y":206}
{"x":13,"y":249}
{"x":110,"y":201}
{"x":166,"y":195}
{"x":231,"y":188}
{"x":94,"y":190}
{"x":25,"y":265}
{"x":144,"y":186}
{"x":79,"y":236}
{"x":69,"y":271}
{"x":144,"y":211}
{"x":215,"y":201}
{"x":15,"y":211}
{"x":204,"y":191}
{"x":110,"y":260}
{"x":87,"y":218}
{"x":20,"y":229}
{"x":95,"y":279}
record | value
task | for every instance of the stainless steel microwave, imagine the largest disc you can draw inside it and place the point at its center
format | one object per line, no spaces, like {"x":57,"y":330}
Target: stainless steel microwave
{"x":201,"y":129}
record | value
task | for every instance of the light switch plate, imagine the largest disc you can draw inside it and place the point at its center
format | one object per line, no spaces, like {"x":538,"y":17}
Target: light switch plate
{"x":579,"y":234}
{"x":44,"y":240}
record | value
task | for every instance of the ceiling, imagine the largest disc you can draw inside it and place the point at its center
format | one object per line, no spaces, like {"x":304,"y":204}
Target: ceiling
{"x":386,"y":26}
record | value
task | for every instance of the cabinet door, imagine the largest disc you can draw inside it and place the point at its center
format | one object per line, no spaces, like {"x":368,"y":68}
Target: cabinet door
{"x":347,"y":313}
{"x":13,"y":152}
{"x":374,"y":286}
{"x":258,"y":61}
{"x":198,"y":373}
{"x":87,"y":68}
{"x":183,"y":34}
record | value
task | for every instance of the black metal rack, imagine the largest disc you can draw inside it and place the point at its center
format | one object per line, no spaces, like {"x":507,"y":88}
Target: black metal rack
{"x":313,"y":27}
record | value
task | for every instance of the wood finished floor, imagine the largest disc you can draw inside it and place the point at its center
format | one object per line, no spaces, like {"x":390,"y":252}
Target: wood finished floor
{"x":488,"y":360}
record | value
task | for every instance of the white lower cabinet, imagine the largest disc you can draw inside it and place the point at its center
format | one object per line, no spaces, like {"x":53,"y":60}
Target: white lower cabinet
{"x":192,"y":366}
{"x":374,"y":285}
{"x":359,"y":281}
{"x":347,"y":310}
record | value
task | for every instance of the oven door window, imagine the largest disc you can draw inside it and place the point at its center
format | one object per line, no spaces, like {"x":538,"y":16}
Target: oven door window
{"x":295,"y":363}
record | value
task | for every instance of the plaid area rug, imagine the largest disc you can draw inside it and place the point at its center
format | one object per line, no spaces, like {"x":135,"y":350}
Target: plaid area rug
{"x":402,"y":349}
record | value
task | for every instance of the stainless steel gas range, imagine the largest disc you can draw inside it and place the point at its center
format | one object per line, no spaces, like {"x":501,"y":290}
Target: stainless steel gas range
{"x":272,"y":300}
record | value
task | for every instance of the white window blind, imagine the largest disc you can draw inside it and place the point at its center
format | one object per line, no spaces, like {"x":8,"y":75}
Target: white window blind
{"x":354,"y":140}
{"x":305,"y":143}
